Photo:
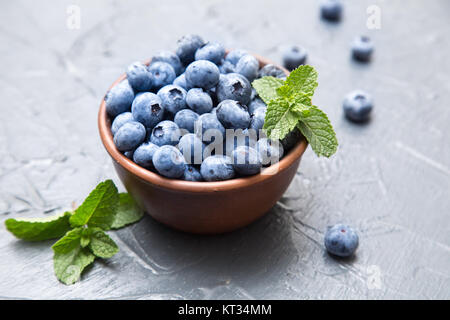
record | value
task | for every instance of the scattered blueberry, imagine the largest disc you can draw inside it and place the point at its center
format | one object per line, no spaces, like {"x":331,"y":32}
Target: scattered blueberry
{"x":217,"y":168}
{"x":143,"y":155}
{"x":129,"y":136}
{"x":233,"y":114}
{"x":170,"y":58}
{"x":192,"y":148}
{"x":165,"y":133}
{"x":185,"y":119}
{"x":358,"y":106}
{"x":293,"y":57}
{"x":341,"y":240}
{"x":119,"y":98}
{"x":362,"y":48}
{"x":248,"y":66}
{"x":187,"y":46}
{"x":120,"y":120}
{"x":169,"y":162}
{"x":246,"y":160}
{"x":162,"y":74}
{"x":173,"y":98}
{"x":138,"y":77}
{"x":202,"y":74}
{"x":331,"y":10}
{"x":212,"y":51}
{"x":199,"y":101}
{"x":147,"y":109}
{"x":191,"y":173}
{"x":270,"y":70}
{"x":234,"y":86}
{"x":270,"y":151}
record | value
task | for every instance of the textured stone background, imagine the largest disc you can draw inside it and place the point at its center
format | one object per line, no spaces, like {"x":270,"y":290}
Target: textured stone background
{"x":390,"y":179}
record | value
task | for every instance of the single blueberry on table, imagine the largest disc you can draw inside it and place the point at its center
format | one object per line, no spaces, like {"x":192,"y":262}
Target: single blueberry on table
{"x":270,"y":151}
{"x":170,"y":58}
{"x":165,"y":133}
{"x":147,"y":109}
{"x":185,"y":119}
{"x":143,"y":155}
{"x":362,"y":49}
{"x":234,"y":86}
{"x":209,"y":128}
{"x":211,"y":51}
{"x":119,"y":98}
{"x":202,"y":74}
{"x":257,"y":119}
{"x":246,"y":160}
{"x":120,"y":120}
{"x":199,"y":101}
{"x":129,"y":136}
{"x":138,"y":77}
{"x":341,"y":240}
{"x":173,"y":98}
{"x":169,"y":162}
{"x":293,"y":57}
{"x":192,"y":148}
{"x":187,"y":46}
{"x":331,"y":10}
{"x":233,"y":115}
{"x":191,"y":173}
{"x":255,"y":104}
{"x":248,"y":66}
{"x":181,"y":82}
{"x":234,"y":56}
{"x":217,"y":168}
{"x":162,"y":74}
{"x":357,"y":106}
{"x":270,"y":70}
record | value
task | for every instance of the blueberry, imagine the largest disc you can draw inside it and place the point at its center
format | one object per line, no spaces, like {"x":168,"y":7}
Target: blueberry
{"x":212,"y":51}
{"x":187,"y":46}
{"x":217,"y":168}
{"x":129,"y":136}
{"x":248,"y":66}
{"x":129,"y":154}
{"x":293,"y":57}
{"x":270,"y":151}
{"x":358,"y":106}
{"x":234,"y":56}
{"x":233,"y":114}
{"x":291,"y":139}
{"x":255,"y":104}
{"x":119,"y":98}
{"x":185,"y":119}
{"x":257,"y":119}
{"x":170,"y":58}
{"x":341,"y":240}
{"x":120,"y":120}
{"x":331,"y":10}
{"x":208,"y":127}
{"x":362,"y":49}
{"x":147,"y":109}
{"x":192,"y":148}
{"x":234,"y":86}
{"x":165,"y":132}
{"x":173,"y":98}
{"x":162,"y":74}
{"x":191,"y":173}
{"x":246,"y":160}
{"x":181,"y":82}
{"x":199,"y":101}
{"x":270,"y":70}
{"x":138,"y":77}
{"x":239,"y":137}
{"x":143,"y":155}
{"x":227,"y":67}
{"x":169,"y":162}
{"x":202,"y":74}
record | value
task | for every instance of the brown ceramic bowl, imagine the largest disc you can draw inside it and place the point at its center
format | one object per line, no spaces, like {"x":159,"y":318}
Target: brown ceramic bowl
{"x":202,"y":207}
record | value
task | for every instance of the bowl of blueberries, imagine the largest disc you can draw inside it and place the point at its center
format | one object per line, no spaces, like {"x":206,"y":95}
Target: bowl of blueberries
{"x":185,"y":133}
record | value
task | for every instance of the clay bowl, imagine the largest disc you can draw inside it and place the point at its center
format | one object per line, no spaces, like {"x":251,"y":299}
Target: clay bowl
{"x":202,"y":207}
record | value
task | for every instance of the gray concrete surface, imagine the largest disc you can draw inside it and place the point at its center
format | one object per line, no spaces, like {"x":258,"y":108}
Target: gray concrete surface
{"x":390,"y":178}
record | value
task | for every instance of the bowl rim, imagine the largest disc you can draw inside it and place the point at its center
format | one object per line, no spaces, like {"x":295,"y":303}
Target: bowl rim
{"x":191,"y":186}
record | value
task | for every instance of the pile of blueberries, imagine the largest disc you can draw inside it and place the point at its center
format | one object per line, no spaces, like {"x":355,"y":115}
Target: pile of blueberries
{"x":193,"y":114}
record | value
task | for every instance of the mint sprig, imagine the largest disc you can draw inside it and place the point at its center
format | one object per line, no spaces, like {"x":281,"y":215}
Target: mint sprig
{"x":289,"y":106}
{"x":83,"y":231}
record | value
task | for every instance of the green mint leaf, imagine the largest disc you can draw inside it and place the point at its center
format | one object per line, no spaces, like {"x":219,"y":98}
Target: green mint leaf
{"x":85,"y":237}
{"x":303,"y":79}
{"x":127,"y":213}
{"x":280,"y":118}
{"x":38,"y":229}
{"x":99,"y":208}
{"x":266,"y":87}
{"x":101,"y":244}
{"x":317,"y":129}
{"x":70,"y":259}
